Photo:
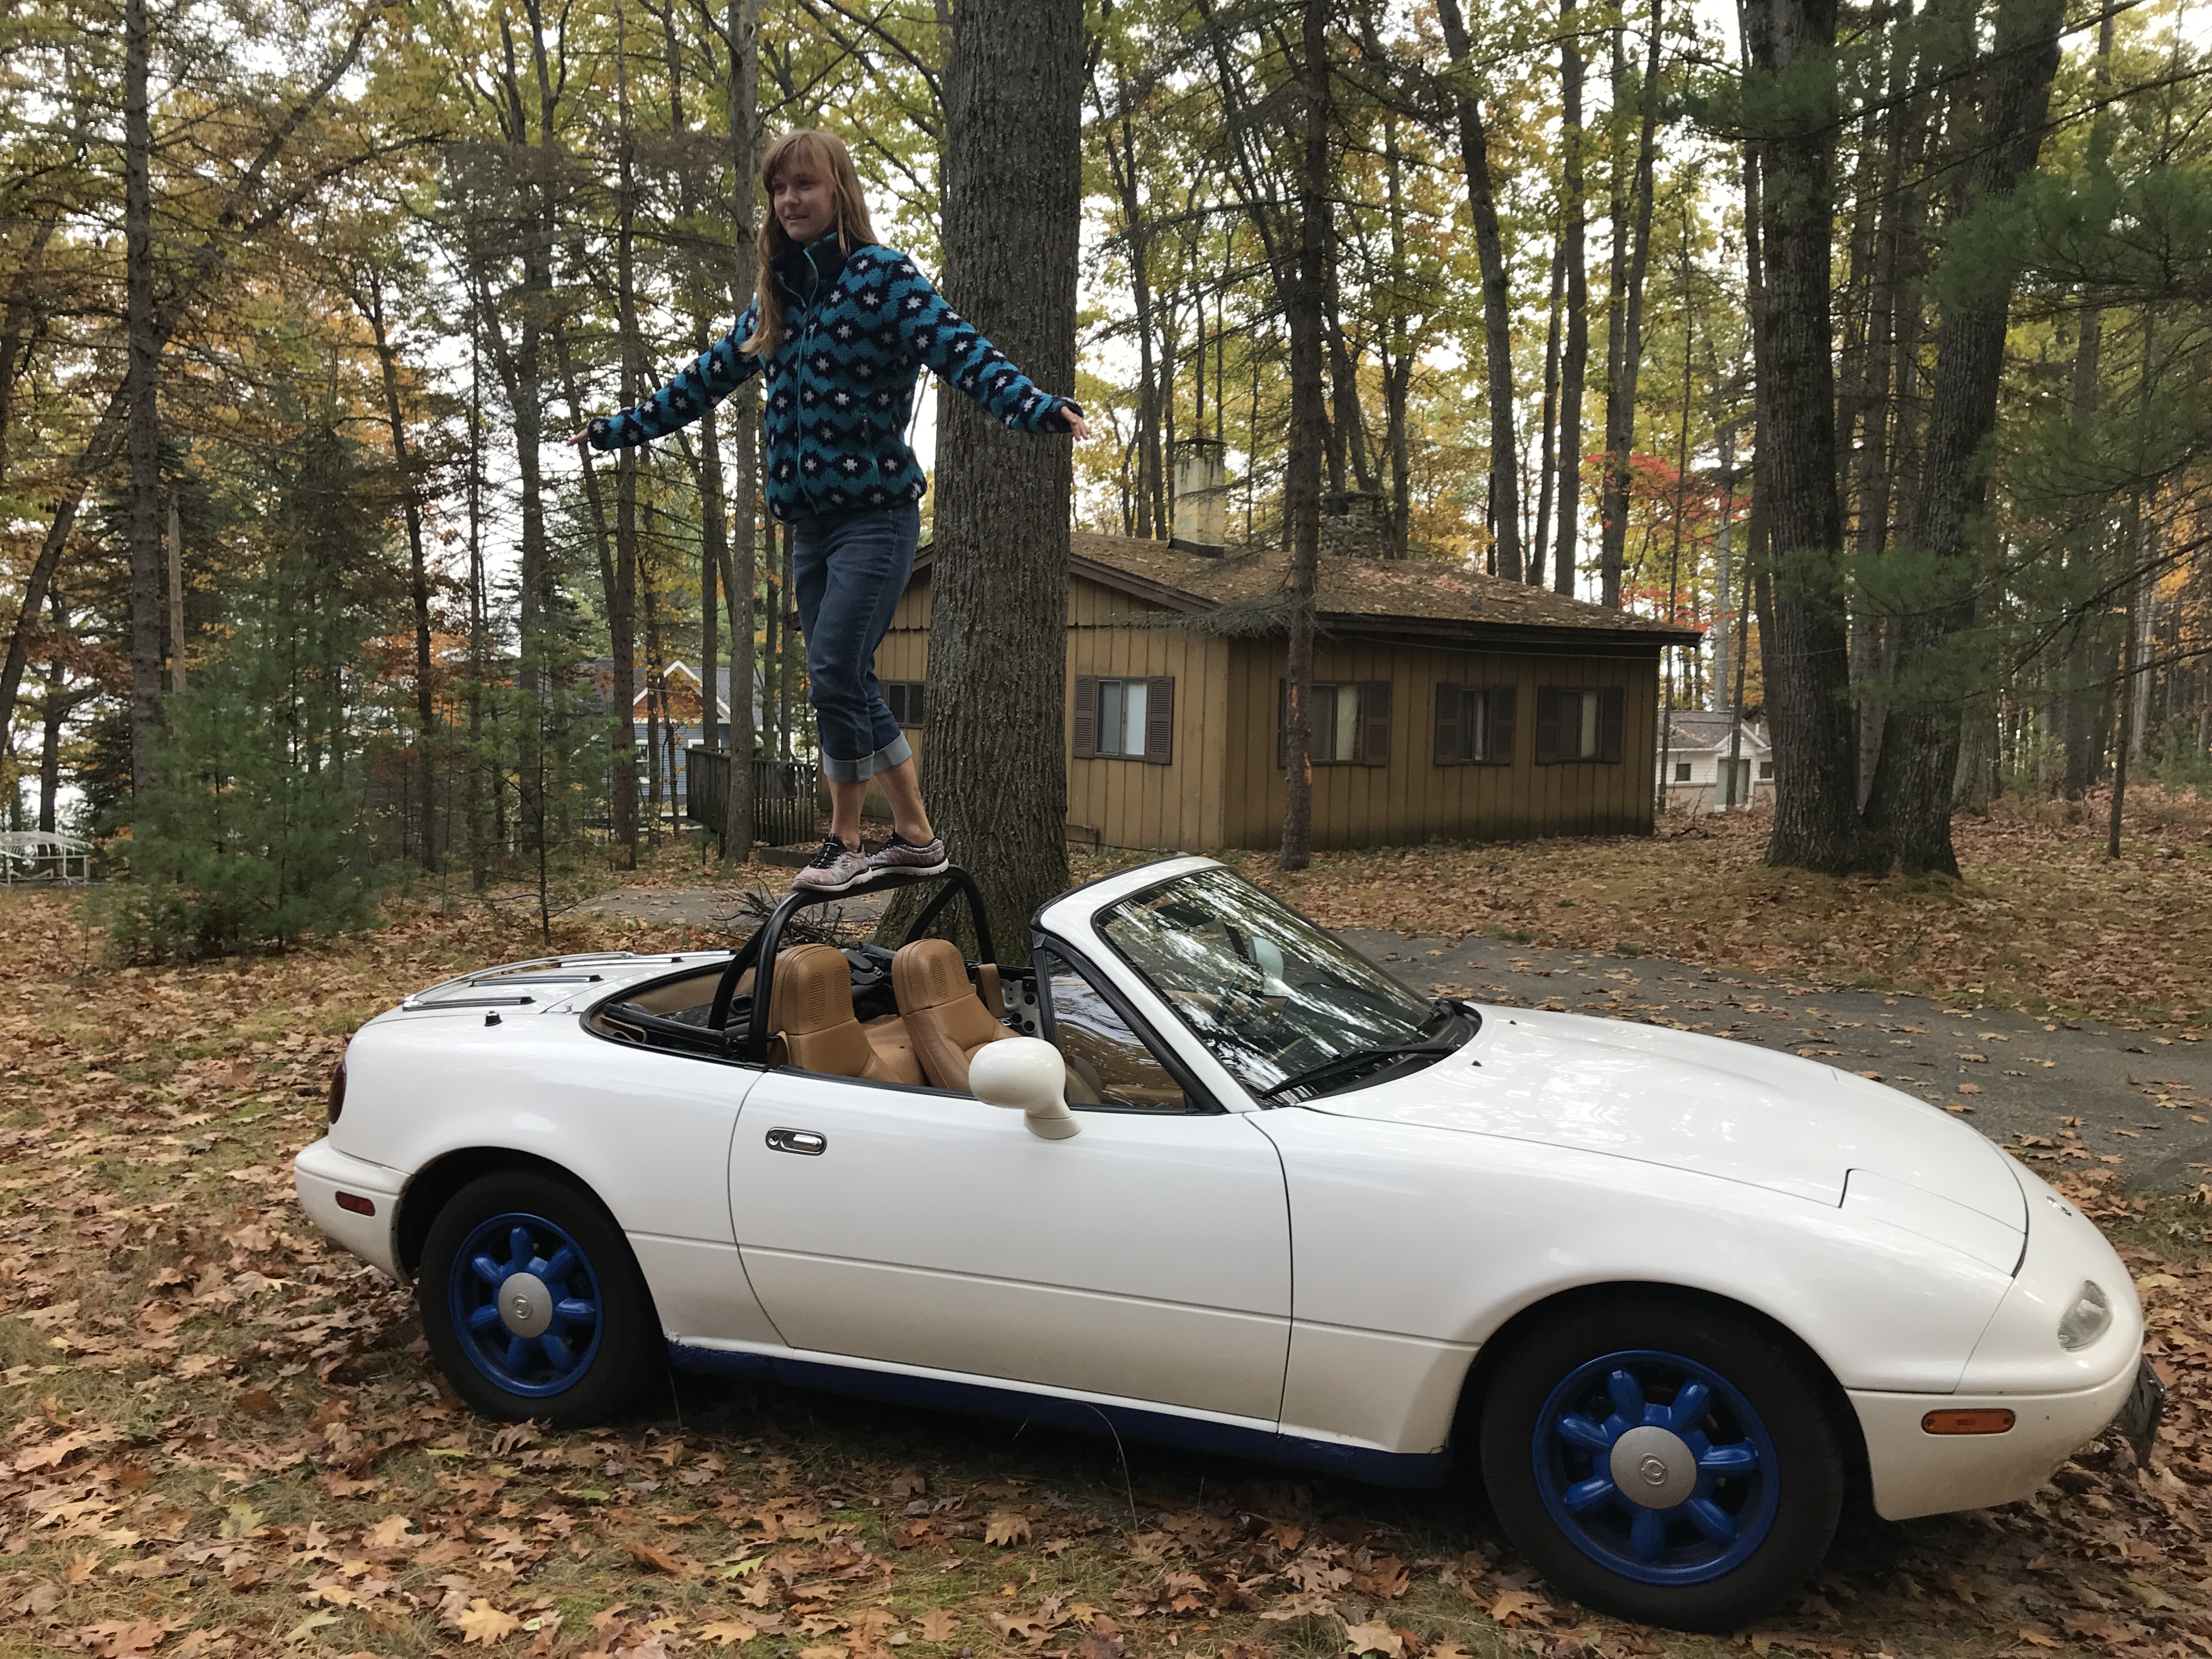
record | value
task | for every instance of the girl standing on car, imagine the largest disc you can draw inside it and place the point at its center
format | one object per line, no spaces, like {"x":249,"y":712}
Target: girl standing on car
{"x":840,"y":329}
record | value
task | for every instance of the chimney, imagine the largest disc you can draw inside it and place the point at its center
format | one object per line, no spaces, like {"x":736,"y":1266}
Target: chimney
{"x":1355,"y":524}
{"x":1201,"y":503}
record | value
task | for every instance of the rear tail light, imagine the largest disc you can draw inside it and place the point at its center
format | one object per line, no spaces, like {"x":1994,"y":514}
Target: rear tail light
{"x":338,"y":1092}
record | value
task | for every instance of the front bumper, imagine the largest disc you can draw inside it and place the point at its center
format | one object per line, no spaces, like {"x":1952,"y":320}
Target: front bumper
{"x":321,"y":1172}
{"x":1915,"y":1472}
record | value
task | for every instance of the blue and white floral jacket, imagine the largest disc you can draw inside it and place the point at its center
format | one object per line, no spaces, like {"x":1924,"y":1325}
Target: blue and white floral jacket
{"x":858,"y":329}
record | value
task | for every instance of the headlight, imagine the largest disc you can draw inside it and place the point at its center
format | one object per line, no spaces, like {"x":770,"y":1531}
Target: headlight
{"x":2089,"y":1318}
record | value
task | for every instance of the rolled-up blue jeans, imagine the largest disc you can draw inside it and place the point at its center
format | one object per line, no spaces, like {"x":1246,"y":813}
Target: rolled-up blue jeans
{"x":849,"y":571}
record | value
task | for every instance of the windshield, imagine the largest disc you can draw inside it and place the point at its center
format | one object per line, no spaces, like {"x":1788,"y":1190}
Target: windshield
{"x":1270,"y":994}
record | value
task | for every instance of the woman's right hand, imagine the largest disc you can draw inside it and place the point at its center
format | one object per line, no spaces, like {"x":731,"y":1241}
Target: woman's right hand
{"x":579,"y":439}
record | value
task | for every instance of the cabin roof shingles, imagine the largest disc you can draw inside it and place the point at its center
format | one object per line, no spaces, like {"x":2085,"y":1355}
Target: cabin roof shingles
{"x":1359,"y":590}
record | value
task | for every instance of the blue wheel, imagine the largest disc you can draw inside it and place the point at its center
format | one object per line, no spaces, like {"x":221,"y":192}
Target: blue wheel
{"x":1655,"y":1467}
{"x":531,"y":1302}
{"x":1665,"y":1458}
{"x":527,"y":1304}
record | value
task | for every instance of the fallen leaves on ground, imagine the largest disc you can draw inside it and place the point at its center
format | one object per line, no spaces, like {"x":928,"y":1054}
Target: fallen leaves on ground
{"x":220,"y":1438}
{"x":2041,"y":919}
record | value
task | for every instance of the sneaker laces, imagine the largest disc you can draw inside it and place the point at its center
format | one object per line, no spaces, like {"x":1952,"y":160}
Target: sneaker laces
{"x":831,"y":850}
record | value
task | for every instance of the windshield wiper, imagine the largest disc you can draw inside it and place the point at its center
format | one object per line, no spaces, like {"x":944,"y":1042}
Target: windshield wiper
{"x":1356,"y":1057}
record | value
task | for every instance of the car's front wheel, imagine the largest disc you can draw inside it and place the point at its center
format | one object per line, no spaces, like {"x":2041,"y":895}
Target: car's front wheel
{"x":531,"y":1303}
{"x":1663,"y":1459}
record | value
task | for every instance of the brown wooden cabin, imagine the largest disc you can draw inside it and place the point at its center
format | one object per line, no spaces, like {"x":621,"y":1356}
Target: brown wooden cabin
{"x":1447,"y":704}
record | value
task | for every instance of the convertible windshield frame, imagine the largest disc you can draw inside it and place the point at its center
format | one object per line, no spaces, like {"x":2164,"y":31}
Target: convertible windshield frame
{"x":1265,"y":1096}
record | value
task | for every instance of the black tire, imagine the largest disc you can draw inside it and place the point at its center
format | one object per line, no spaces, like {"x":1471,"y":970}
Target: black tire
{"x":571,"y":1370}
{"x":1763,"y":1450}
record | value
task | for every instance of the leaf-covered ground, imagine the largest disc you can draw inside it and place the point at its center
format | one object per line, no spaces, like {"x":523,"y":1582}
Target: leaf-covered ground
{"x":2040,"y":920}
{"x":218,"y":1437}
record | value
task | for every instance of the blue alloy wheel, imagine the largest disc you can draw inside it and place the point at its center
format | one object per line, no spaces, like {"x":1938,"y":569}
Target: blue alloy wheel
{"x":1663,"y":1455}
{"x":1656,"y":1467}
{"x":525,"y":1304}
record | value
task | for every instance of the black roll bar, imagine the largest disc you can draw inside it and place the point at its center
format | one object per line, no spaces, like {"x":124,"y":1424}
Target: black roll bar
{"x":758,"y":952}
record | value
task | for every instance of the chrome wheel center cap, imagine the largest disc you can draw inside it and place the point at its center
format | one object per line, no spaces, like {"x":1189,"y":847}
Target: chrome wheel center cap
{"x":526,"y":1305}
{"x":1654,"y":1468}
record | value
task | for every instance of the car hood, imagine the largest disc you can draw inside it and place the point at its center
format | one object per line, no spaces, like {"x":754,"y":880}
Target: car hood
{"x":1691,"y":1102}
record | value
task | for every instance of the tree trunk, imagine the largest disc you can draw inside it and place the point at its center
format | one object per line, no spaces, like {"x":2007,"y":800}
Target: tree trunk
{"x":997,"y":757}
{"x":737,"y":828}
{"x":1911,"y":800}
{"x":418,"y":574}
{"x":2079,"y":702}
{"x":55,"y":710}
{"x":1546,"y":458}
{"x":1308,"y":437}
{"x":1574,"y":356}
{"x":145,"y":361}
{"x":479,"y":631}
{"x":1398,"y":354}
{"x":1803,"y":629}
{"x":1625,"y":332}
{"x":1497,"y":295}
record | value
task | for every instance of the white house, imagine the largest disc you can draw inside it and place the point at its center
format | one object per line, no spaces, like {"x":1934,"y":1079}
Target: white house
{"x":1693,"y":760}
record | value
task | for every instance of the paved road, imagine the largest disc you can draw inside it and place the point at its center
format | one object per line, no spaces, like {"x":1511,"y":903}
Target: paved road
{"x":2093,"y":1095}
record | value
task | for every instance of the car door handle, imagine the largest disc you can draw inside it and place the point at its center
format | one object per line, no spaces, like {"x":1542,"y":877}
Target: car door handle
{"x":804,"y":1142}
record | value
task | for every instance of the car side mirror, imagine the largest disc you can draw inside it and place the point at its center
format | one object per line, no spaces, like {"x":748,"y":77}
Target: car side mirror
{"x":1028,"y":1075}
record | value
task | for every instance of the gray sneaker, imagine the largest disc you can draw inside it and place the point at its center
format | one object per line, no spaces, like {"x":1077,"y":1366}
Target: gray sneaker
{"x":900,"y":854}
{"x":834,"y":869}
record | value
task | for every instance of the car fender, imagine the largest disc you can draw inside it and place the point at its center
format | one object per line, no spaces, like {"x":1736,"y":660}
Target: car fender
{"x":647,"y":1132}
{"x":1407,"y":1231}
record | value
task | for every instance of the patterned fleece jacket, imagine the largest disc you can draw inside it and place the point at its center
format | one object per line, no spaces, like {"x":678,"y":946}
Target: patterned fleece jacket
{"x":858,"y":329}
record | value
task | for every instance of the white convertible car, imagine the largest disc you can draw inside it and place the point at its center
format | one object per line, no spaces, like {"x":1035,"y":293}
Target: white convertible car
{"x":1675,"y":1295}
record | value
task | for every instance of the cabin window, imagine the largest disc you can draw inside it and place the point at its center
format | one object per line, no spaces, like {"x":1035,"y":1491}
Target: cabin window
{"x":1574,"y":723}
{"x":1348,"y":723}
{"x":1766,"y":771}
{"x":1125,"y":717}
{"x":1474,"y":724}
{"x":905,"y":701}
{"x":1682,"y":771}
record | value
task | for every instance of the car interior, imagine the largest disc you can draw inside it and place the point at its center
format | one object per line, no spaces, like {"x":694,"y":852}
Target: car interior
{"x":916,"y":1016}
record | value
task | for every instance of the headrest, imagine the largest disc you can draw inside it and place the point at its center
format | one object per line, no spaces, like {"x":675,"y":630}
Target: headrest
{"x":812,"y":990}
{"x":929,"y":973}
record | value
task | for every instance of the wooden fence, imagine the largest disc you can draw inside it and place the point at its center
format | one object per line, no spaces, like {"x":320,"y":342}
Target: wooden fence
{"x":785,"y":808}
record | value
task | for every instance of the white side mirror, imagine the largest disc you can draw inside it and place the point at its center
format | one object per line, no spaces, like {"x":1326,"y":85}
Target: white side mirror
{"x":1027,"y":1074}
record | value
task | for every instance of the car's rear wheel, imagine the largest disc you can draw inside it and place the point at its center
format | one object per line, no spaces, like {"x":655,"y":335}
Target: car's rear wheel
{"x":1663,"y":1459}
{"x":531,"y":1302}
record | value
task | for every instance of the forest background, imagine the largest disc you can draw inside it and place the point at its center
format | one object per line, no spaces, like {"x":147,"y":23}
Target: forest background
{"x":1873,"y":340}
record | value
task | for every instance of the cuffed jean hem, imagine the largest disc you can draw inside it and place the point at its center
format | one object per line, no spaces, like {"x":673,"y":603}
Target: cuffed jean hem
{"x":860,"y":771}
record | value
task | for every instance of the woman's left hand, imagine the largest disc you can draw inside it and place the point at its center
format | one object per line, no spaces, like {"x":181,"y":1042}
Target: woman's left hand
{"x":1078,"y":427}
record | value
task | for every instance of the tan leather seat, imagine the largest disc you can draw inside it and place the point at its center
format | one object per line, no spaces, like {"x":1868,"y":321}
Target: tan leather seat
{"x":810,"y":1014}
{"x":945,"y":1016}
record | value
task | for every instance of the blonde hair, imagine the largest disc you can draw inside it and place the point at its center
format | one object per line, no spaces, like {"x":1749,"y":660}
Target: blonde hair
{"x":826,"y":155}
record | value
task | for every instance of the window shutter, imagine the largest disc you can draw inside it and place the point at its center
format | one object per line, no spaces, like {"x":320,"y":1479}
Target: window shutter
{"x":1086,"y":716}
{"x":1374,"y":723}
{"x":1159,"y":719}
{"x":1283,"y":725}
{"x":1449,"y":701}
{"x":1611,"y":703}
{"x":1502,"y":698}
{"x":1547,"y":725}
{"x":917,"y":704}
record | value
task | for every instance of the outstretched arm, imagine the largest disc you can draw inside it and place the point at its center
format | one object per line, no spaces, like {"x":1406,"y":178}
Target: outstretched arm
{"x":712,"y":376}
{"x":953,"y":346}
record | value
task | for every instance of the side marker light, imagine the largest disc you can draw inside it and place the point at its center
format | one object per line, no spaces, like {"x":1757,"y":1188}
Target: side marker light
{"x":361,"y":1205}
{"x":1989,"y":1420}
